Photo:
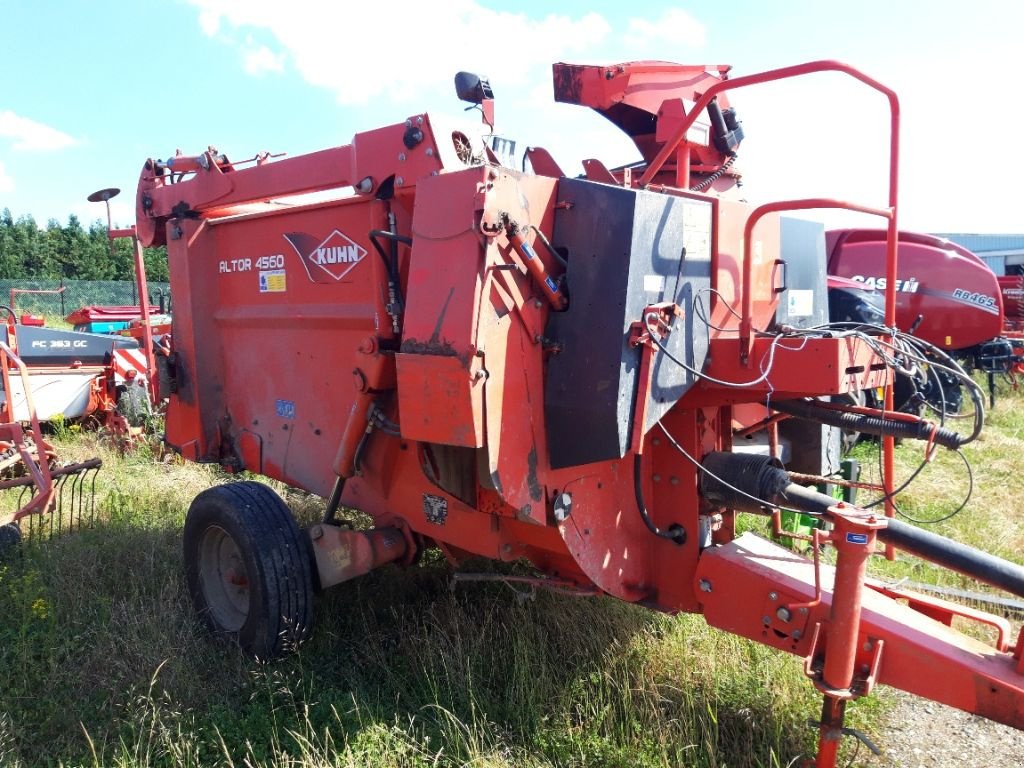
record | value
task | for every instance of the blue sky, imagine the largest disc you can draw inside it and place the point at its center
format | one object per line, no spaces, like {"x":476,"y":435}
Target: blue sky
{"x":91,"y":90}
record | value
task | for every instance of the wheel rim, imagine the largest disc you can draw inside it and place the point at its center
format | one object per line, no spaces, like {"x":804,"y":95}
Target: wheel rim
{"x":223,"y":579}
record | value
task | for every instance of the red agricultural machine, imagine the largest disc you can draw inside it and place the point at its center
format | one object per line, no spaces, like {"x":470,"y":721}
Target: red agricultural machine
{"x":1011,"y":287}
{"x":945,"y":295}
{"x":525,"y":365}
{"x":29,"y":466}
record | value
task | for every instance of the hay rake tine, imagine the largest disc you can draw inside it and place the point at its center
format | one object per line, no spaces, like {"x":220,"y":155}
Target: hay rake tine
{"x":76,"y":490}
{"x":92,"y":497}
{"x":69,"y":509}
{"x":58,"y":507}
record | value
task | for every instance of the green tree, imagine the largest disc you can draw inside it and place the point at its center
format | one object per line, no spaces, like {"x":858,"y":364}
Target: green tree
{"x":70,"y":251}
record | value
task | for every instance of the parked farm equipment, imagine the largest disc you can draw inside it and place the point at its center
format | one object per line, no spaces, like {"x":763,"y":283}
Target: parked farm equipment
{"x":524,"y":365}
{"x":29,"y":466}
{"x":945,"y":295}
{"x":1011,"y":287}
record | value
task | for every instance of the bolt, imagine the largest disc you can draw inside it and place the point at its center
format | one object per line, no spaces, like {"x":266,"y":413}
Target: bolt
{"x":563,"y":506}
{"x":867,"y":646}
{"x":766,"y":620}
{"x":705,"y":585}
{"x":401,"y":157}
{"x":797,"y":634}
{"x":538,"y":303}
{"x":408,"y":123}
{"x":430,"y":152}
{"x":803,"y":611}
{"x":656,"y":441}
{"x":481,"y":374}
{"x":316,"y":532}
{"x":773,"y":596}
{"x":506,"y":549}
{"x":419,"y":120}
{"x":657,"y":478}
{"x":783,"y":613}
{"x":399,"y":181}
{"x":674,"y":480}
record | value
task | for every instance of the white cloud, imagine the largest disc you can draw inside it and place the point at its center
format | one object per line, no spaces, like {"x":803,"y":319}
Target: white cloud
{"x":401,"y":48}
{"x":6,"y":182}
{"x":30,"y":136}
{"x":260,"y":60}
{"x":675,"y":26}
{"x":122,"y":212}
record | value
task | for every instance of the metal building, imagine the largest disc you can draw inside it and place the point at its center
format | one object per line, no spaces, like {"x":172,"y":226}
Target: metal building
{"x":1004,"y":254}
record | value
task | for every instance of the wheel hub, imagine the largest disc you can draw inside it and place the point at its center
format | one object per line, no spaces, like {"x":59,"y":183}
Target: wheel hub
{"x":223,"y":578}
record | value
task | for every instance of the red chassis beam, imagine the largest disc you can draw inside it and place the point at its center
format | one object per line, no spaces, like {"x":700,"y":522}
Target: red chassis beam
{"x":749,"y":585}
{"x":779,"y":370}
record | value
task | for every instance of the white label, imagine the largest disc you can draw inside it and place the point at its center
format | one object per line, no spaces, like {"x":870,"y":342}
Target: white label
{"x":800,"y":302}
{"x":654,"y":283}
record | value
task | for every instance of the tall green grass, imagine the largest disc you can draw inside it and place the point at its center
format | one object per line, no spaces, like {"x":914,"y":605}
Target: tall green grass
{"x":102,"y":662}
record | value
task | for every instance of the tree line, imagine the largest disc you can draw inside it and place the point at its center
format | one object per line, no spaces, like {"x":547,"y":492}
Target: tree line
{"x":69,"y":251}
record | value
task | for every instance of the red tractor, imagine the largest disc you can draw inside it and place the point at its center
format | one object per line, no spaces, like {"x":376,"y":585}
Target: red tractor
{"x":529,"y":366}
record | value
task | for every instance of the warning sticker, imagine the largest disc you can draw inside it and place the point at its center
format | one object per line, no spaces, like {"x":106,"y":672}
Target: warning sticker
{"x":273,"y":281}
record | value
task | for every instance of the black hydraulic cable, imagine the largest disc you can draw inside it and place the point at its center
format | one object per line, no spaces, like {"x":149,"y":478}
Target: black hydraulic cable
{"x":953,"y":555}
{"x":391,"y":264}
{"x":870,"y":425}
{"x":674,"y":532}
{"x":334,"y":501}
{"x":943,"y":518}
{"x":722,"y":169}
{"x":551,"y":249}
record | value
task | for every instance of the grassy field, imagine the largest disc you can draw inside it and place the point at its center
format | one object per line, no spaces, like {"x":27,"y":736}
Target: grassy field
{"x":103,"y":664}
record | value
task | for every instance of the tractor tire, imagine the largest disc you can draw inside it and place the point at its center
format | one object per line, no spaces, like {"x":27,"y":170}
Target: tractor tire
{"x":249,"y":568}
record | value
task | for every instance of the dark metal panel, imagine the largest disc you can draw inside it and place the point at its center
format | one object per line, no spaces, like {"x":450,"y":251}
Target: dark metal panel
{"x":53,"y":346}
{"x":626,"y":249}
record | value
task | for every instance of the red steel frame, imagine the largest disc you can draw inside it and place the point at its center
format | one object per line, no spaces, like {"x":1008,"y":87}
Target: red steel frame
{"x":889,"y":213}
{"x":460,"y":374}
{"x":37,"y":464}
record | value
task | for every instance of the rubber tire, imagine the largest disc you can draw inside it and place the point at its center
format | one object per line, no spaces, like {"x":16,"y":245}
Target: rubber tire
{"x":277,"y":561}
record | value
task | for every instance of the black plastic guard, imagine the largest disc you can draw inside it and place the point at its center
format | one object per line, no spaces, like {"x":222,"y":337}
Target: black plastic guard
{"x":626,"y":249}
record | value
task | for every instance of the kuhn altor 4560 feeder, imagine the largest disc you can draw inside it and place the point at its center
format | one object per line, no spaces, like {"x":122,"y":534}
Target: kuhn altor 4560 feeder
{"x":526,"y":365}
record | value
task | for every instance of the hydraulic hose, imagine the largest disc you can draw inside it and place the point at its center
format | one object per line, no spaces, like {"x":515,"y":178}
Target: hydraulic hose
{"x":735,"y":479}
{"x":957,"y":557}
{"x":871,"y":425}
{"x":674,"y":532}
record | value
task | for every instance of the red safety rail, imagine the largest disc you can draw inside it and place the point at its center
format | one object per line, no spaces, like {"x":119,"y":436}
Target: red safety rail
{"x":889,"y":213}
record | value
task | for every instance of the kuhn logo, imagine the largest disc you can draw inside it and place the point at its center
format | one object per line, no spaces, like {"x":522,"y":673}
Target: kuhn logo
{"x":328,"y":260}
